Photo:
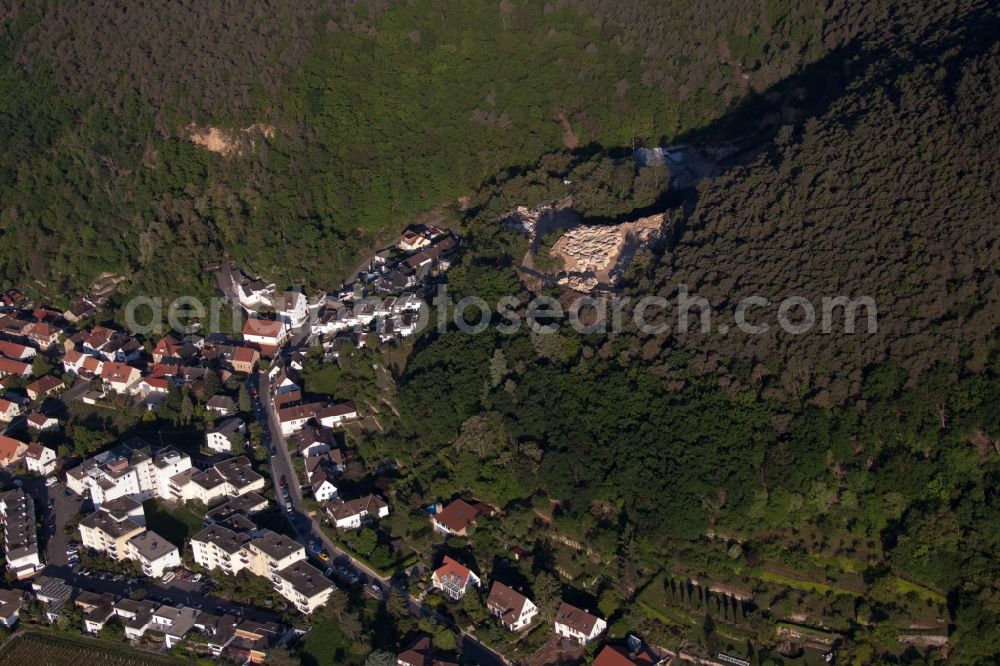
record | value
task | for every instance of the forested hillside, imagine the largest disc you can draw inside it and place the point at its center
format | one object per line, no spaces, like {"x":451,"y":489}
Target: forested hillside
{"x":869,"y":461}
{"x":378,"y":111}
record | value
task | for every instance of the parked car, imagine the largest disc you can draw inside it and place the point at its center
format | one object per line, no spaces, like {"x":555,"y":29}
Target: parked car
{"x":167,"y":577}
{"x":323,"y":556}
{"x":374,"y":591}
{"x":283,"y":482}
{"x":51,"y":481}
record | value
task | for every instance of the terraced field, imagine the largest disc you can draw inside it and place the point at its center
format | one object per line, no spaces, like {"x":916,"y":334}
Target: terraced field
{"x":39,"y":649}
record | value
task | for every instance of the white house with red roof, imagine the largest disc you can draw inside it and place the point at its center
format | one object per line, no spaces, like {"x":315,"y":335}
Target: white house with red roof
{"x":16,"y":351}
{"x":9,"y":410}
{"x":453,"y":578}
{"x":267,"y":334}
{"x":119,"y":377}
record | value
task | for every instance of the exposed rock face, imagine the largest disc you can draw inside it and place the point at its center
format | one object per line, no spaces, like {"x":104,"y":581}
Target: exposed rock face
{"x":228,"y":143}
{"x":596,"y":255}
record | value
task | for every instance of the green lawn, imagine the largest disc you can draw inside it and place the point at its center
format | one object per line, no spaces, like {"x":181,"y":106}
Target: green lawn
{"x":799,"y":584}
{"x":176,"y":525}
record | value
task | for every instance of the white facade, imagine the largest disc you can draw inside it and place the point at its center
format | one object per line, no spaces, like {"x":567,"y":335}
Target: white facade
{"x":293,"y":309}
{"x":43,"y":464}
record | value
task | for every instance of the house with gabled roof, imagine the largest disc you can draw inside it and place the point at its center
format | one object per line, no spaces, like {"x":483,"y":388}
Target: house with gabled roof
{"x":577,"y":624}
{"x":421,"y":653}
{"x":40,"y":459}
{"x":38,"y":421}
{"x":514,"y":610}
{"x":9,"y":410}
{"x":11,"y":450}
{"x":456,"y":518}
{"x":266,"y":334}
{"x":16,"y":351}
{"x":453,"y":579}
{"x":44,"y":386}
{"x":9,"y":366}
{"x":119,"y":377}
{"x":337,"y":413}
{"x":352,"y":514}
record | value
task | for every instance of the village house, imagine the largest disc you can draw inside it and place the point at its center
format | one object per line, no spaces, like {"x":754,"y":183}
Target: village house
{"x":9,"y":367}
{"x":456,"y":518}
{"x":83,"y":365}
{"x":514,"y":610}
{"x":612,"y":655}
{"x":119,"y":377}
{"x":96,"y":609}
{"x":9,"y":410}
{"x":167,"y":347}
{"x":10,"y":606}
{"x":245,"y":360}
{"x":250,"y":292}
{"x":412,"y":239}
{"x":16,"y":351}
{"x":229,"y":478}
{"x":421,"y":653}
{"x":79,"y":311}
{"x":221,"y":404}
{"x":352,"y":514}
{"x":292,"y":308}
{"x":40,"y":459}
{"x":267,"y":335}
{"x":224,"y":434}
{"x":577,"y":624}
{"x":321,"y":480}
{"x":453,"y":578}
{"x":336,"y":414}
{"x":292,"y":419}
{"x":40,"y":422}
{"x":11,"y":451}
{"x":313,"y":441}
{"x":43,"y":335}
{"x":44,"y":386}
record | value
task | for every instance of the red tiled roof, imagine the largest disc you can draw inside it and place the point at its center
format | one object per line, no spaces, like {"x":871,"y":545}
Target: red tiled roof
{"x":616,"y":656}
{"x":450,"y":567}
{"x":11,"y":367}
{"x":263,"y":327}
{"x":45,"y":384}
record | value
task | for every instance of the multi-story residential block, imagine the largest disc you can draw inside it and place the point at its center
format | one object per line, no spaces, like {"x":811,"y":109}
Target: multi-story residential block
{"x":155,"y":554}
{"x":304,"y":585}
{"x":17,"y":511}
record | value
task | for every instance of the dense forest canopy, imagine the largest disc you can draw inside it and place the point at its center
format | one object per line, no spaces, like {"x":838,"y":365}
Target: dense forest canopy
{"x":881,"y":448}
{"x":378,"y":110}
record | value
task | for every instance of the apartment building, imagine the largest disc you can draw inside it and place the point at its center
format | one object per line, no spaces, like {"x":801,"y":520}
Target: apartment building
{"x":127,"y":470}
{"x":304,"y":585}
{"x":17,"y":510}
